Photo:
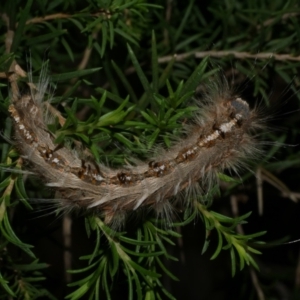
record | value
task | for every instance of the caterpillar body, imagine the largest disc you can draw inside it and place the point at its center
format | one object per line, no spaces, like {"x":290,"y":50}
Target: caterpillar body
{"x":220,"y":137}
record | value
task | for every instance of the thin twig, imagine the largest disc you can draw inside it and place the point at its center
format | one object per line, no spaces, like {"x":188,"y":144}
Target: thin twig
{"x":56,"y":113}
{"x":196,"y":54}
{"x":35,"y":20}
{"x":259,"y":189}
{"x":178,"y":57}
{"x":243,"y":55}
{"x":48,"y":18}
{"x":15,"y":72}
{"x":67,"y":240}
{"x":223,"y":53}
{"x":270,"y":21}
{"x":84,"y":61}
{"x":235,"y":211}
{"x":180,"y":245}
{"x":264,"y":175}
{"x":87,"y":53}
{"x":9,"y":36}
{"x":255,"y":282}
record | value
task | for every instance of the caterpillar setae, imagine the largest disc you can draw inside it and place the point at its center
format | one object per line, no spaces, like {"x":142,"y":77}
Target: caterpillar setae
{"x":221,"y":136}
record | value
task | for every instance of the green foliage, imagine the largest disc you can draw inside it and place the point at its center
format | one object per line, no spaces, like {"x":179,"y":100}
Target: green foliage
{"x":137,"y":260}
{"x":238,"y":242}
{"x":122,"y":91}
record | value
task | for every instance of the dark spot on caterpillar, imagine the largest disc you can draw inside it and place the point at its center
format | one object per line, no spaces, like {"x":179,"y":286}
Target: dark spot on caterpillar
{"x":215,"y":127}
{"x":239,"y":122}
{"x":185,"y":154}
{"x":80,"y":173}
{"x":82,"y":170}
{"x":124,"y":177}
{"x":48,"y":153}
{"x":210,"y":144}
{"x":232,"y":115}
{"x":222,"y":134}
{"x":20,"y":113}
{"x":97,"y":168}
{"x":159,"y":168}
{"x":83,"y":166}
{"x":152,"y":164}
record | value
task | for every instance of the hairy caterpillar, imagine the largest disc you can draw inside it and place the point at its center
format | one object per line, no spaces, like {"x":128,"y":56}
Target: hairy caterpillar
{"x":220,"y":137}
